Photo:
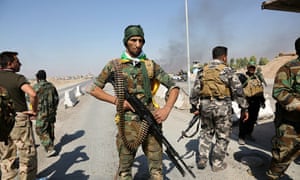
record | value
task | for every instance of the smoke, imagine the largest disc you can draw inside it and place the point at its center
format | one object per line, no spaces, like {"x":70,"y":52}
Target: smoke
{"x":240,"y":25}
{"x":204,"y":17}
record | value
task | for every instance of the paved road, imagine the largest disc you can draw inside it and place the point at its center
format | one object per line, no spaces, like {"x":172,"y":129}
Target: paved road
{"x":85,"y":140}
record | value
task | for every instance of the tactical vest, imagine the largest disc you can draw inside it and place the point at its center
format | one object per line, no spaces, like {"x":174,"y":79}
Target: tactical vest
{"x":253,"y":87}
{"x":212,"y":85}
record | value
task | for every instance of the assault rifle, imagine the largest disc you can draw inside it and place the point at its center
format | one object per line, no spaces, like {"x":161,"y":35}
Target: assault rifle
{"x":142,"y":111}
{"x":191,"y":124}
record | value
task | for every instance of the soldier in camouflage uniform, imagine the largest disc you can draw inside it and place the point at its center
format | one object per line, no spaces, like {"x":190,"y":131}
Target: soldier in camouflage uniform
{"x":286,"y":142}
{"x":46,"y":118}
{"x":21,"y":142}
{"x":215,"y":86}
{"x":139,"y":73}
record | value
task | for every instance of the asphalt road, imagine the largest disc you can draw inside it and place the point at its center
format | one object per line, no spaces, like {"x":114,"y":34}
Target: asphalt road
{"x":85,"y":141}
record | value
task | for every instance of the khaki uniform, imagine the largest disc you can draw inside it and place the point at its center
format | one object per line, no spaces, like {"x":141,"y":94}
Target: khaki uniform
{"x":21,"y":141}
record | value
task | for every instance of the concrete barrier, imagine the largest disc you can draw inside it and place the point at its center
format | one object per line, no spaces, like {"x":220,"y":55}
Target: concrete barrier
{"x":182,"y":103}
{"x":182,"y":100}
{"x":266,"y":113}
{"x":78,"y":91}
{"x":70,"y":99}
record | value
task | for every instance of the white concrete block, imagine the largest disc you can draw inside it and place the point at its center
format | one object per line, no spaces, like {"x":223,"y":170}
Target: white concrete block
{"x":70,"y":99}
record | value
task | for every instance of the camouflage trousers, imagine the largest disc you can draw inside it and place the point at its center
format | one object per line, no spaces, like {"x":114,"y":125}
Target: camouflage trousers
{"x":45,"y":131}
{"x":151,"y":148}
{"x":285,"y":149}
{"x":20,"y":153}
{"x":215,"y":122}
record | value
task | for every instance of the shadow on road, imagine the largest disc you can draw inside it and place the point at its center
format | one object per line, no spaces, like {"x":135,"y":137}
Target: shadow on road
{"x":257,"y":161}
{"x":58,"y":169}
{"x":67,"y":138}
{"x":142,"y":165}
{"x":262,"y":133}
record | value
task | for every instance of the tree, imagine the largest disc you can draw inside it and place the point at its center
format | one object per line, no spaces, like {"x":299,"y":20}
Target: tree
{"x":263,"y":61}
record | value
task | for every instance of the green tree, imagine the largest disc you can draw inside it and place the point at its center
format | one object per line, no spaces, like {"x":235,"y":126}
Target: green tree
{"x":263,"y":61}
{"x":231,"y":64}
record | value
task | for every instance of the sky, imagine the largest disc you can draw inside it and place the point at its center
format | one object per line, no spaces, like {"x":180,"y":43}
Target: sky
{"x":77,"y":37}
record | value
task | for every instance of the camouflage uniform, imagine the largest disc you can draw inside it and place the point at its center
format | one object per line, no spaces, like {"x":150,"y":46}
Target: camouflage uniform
{"x":215,"y":112}
{"x":48,"y":102}
{"x":286,"y":142}
{"x":134,"y":82}
{"x":21,"y":143}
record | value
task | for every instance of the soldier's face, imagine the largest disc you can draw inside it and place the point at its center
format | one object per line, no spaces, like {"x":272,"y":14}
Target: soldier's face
{"x":251,"y":69}
{"x":15,"y":64}
{"x":135,"y":45}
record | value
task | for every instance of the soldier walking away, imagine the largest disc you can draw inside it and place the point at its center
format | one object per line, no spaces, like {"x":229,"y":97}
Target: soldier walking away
{"x":47,"y":107}
{"x":254,"y":92}
{"x":286,"y":141}
{"x":139,"y":74}
{"x":215,"y":86}
{"x":21,"y":145}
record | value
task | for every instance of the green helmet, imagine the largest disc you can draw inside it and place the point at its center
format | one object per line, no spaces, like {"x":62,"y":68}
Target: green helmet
{"x":251,"y":63}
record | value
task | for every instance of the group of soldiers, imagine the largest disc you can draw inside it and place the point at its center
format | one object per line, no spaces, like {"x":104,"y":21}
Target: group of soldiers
{"x":18,"y":153}
{"x":215,"y":87}
{"x":133,"y":74}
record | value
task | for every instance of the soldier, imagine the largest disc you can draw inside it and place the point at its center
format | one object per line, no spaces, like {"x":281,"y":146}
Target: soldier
{"x":47,"y":106}
{"x":21,"y":142}
{"x":140,"y":74}
{"x":215,"y":86}
{"x":254,"y":92}
{"x":286,"y":141}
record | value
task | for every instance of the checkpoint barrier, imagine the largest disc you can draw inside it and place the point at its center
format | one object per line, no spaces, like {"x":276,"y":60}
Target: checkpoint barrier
{"x":266,"y":113}
{"x":71,"y":96}
{"x":182,"y":100}
{"x":78,"y":91}
{"x":182,"y":103}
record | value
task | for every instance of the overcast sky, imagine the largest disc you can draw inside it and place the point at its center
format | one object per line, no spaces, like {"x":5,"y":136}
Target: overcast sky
{"x":69,"y":37}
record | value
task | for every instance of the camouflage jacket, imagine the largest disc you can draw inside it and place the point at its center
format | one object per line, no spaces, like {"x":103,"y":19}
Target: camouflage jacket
{"x":230,"y":79}
{"x":286,"y":89}
{"x":48,"y":99}
{"x":133,"y":79}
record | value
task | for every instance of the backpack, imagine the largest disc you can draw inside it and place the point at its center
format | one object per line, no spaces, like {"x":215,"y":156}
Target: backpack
{"x":252,"y":86}
{"x":7,"y":115}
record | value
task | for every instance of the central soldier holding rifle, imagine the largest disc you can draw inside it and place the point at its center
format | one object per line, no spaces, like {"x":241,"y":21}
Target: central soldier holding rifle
{"x":135,"y":79}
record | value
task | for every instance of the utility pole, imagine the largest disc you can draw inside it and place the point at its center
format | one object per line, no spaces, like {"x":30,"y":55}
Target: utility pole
{"x":187,"y":47}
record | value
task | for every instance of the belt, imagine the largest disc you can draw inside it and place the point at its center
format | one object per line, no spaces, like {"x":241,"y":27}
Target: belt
{"x":215,"y":98}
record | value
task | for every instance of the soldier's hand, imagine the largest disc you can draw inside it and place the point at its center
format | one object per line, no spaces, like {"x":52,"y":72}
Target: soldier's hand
{"x":193,"y":109}
{"x":244,"y":116}
{"x":161,"y":114}
{"x":128,"y":106}
{"x":197,"y":112}
{"x":31,"y":114}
